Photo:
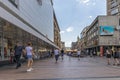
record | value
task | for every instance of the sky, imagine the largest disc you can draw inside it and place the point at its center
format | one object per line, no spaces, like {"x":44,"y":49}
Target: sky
{"x":74,"y":15}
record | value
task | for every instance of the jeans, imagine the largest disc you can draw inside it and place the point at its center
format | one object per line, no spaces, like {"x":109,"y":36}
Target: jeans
{"x":17,"y":57}
{"x":56,"y":57}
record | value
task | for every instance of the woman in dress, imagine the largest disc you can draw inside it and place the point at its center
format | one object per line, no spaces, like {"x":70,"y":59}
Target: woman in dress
{"x":108,"y":55}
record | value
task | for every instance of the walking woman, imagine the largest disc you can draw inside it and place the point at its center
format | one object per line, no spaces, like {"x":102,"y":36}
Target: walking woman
{"x":29,"y":52}
{"x":108,"y":55}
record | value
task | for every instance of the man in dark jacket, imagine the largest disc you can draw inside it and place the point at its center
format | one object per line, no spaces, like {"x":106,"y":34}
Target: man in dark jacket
{"x":18,"y":51}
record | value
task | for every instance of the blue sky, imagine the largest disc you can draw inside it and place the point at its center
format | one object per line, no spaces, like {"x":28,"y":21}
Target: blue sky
{"x":74,"y":15}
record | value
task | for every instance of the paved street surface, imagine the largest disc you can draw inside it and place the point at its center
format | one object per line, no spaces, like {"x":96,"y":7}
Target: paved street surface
{"x":68,"y":69}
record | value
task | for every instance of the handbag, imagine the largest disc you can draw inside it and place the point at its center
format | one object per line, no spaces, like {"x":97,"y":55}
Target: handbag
{"x":35,"y":57}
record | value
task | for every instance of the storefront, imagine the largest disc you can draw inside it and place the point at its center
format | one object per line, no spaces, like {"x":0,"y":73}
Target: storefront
{"x":10,"y":34}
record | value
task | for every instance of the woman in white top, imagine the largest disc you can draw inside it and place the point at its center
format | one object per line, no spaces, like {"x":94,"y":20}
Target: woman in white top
{"x":29,"y":52}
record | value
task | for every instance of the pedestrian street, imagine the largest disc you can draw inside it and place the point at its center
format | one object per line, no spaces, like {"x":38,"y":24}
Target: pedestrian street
{"x":70,"y":68}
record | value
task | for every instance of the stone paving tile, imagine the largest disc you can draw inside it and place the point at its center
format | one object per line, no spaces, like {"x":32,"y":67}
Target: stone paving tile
{"x":77,"y":79}
{"x":85,"y":69}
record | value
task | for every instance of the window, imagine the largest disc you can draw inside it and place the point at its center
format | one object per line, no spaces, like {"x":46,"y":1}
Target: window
{"x":114,"y":11}
{"x":39,"y":2}
{"x":14,"y":2}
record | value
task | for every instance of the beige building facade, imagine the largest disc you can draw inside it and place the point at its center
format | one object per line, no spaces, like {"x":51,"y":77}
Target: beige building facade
{"x":57,"y":37}
{"x":113,"y":7}
{"x":62,"y":45}
{"x":101,"y":34}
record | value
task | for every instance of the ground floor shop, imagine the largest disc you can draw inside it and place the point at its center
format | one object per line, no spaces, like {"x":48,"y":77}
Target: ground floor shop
{"x":10,"y":34}
{"x":101,"y":50}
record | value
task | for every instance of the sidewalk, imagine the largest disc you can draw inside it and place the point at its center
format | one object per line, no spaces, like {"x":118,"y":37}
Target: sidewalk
{"x":103,"y":61}
{"x":68,"y":69}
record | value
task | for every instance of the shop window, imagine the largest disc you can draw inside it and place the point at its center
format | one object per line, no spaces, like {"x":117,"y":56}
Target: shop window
{"x":14,"y":2}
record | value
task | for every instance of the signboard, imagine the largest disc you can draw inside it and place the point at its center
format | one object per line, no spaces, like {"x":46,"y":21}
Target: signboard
{"x":106,"y":30}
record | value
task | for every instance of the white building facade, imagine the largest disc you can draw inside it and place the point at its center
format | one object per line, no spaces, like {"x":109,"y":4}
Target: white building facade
{"x":26,"y":20}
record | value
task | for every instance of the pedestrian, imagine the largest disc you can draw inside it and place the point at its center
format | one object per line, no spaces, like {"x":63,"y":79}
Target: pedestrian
{"x":18,"y":52}
{"x":11,"y":55}
{"x":94,"y":53}
{"x":62,"y":54}
{"x":116,"y":57}
{"x":30,"y":54}
{"x":78,"y":54}
{"x":91,"y":54}
{"x":56,"y":53}
{"x":108,"y":55}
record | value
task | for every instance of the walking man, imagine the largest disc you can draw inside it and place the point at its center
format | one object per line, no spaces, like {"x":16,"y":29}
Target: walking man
{"x":56,"y":53}
{"x":62,"y":54}
{"x":78,"y":53}
{"x":18,"y":51}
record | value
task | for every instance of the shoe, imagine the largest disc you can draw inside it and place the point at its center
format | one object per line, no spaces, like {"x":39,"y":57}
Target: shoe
{"x":118,"y":64}
{"x":19,"y":65}
{"x":28,"y":70}
{"x":16,"y":67}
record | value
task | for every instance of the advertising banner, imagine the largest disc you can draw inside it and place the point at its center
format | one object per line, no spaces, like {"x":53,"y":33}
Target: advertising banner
{"x":106,"y":30}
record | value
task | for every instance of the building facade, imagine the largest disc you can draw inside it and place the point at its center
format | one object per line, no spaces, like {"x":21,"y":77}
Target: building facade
{"x":74,"y":45}
{"x":102,"y":33}
{"x":113,"y":7}
{"x":26,"y":20}
{"x":57,"y":37}
{"x":83,"y":39}
{"x":62,"y":45}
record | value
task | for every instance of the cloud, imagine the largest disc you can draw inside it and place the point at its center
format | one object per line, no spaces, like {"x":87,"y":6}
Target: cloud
{"x":93,"y":3}
{"x":83,"y":1}
{"x":86,"y":2}
{"x":68,"y":43}
{"x":90,"y":17}
{"x":61,"y":32}
{"x":69,"y":29}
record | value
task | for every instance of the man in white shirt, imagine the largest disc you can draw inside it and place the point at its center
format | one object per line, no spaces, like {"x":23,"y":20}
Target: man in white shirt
{"x":56,"y":53}
{"x":78,"y":53}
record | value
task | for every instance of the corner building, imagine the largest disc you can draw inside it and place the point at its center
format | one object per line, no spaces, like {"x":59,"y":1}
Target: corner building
{"x":113,"y":7}
{"x":102,"y":33}
{"x":26,"y":20}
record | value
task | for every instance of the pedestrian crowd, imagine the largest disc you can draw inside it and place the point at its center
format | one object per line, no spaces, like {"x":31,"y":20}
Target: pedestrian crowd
{"x":27,"y":52}
{"x":113,"y":53}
